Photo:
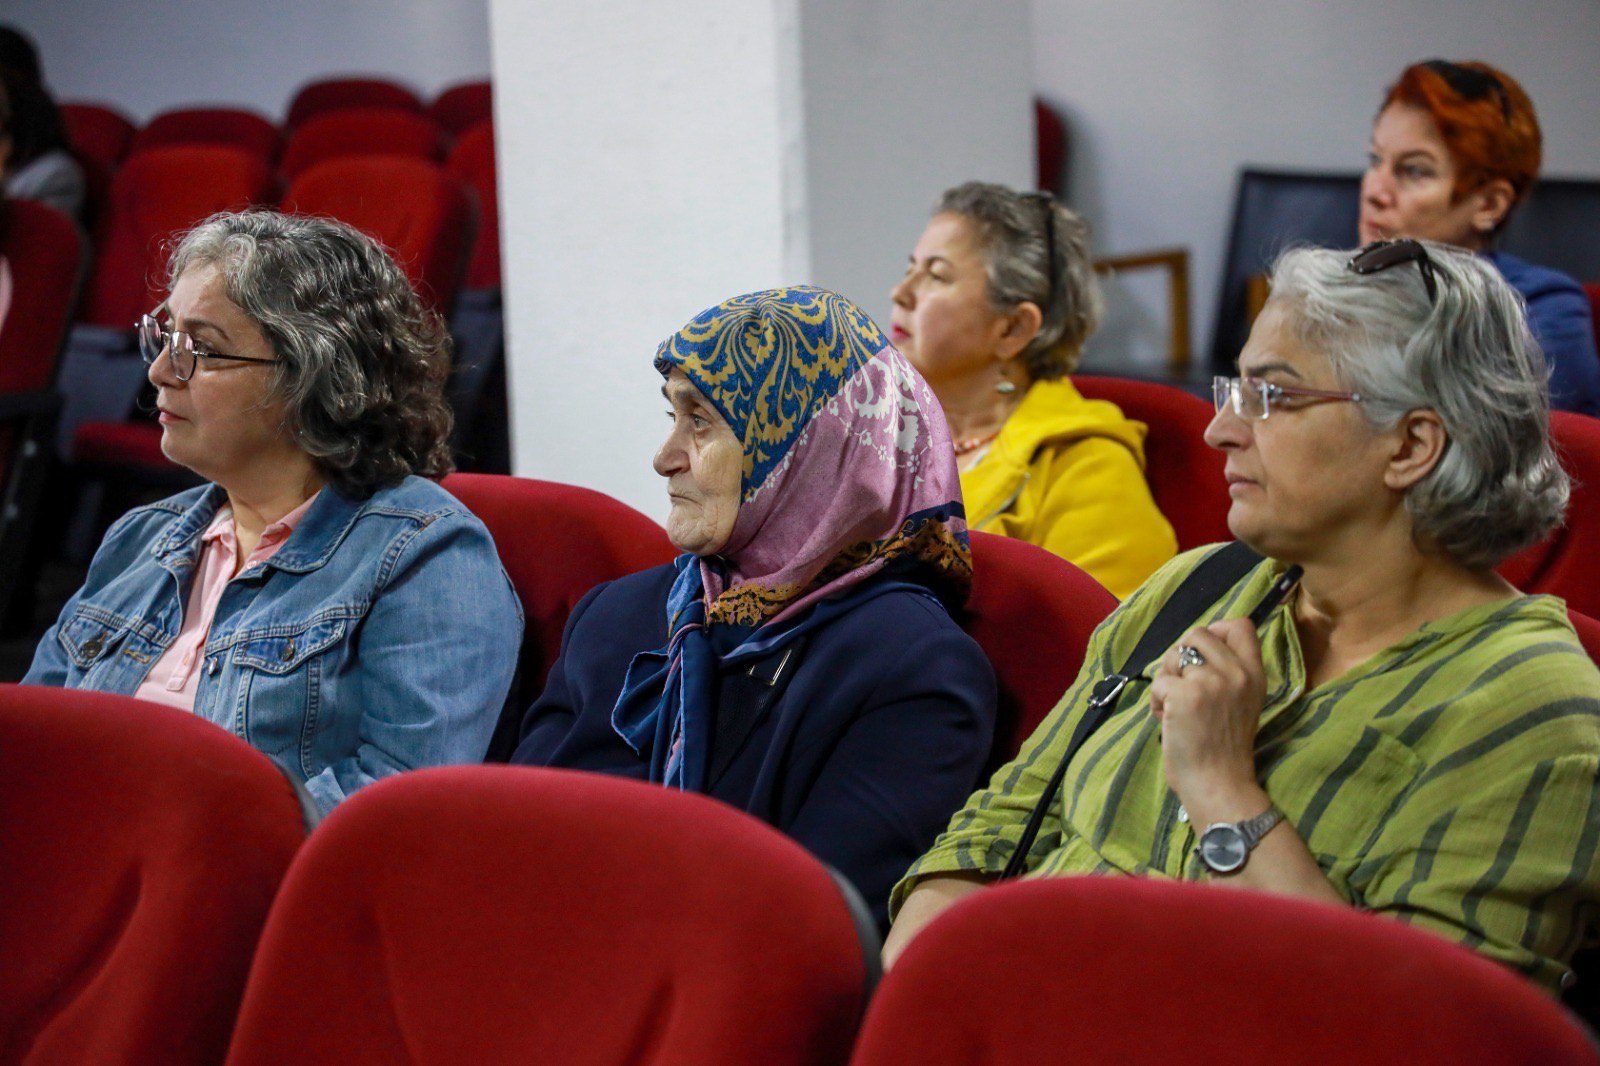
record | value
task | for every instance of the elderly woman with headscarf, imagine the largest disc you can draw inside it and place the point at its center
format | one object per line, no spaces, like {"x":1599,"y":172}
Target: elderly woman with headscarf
{"x":1407,"y":733}
{"x":323,"y":598}
{"x":799,"y":659}
{"x":1455,"y":149}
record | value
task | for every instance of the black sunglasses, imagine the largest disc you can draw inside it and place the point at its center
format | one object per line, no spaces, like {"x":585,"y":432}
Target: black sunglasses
{"x":1047,"y":202}
{"x":1381,"y":255}
{"x":1470,"y":84}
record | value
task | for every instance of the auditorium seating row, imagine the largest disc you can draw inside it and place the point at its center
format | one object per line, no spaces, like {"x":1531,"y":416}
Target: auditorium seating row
{"x":165,"y":904}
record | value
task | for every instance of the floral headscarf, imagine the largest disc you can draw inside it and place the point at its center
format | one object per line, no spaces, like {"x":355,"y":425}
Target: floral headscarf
{"x":848,"y":473}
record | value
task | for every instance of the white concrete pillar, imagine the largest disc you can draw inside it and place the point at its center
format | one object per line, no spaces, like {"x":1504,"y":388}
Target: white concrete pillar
{"x":656,"y":158}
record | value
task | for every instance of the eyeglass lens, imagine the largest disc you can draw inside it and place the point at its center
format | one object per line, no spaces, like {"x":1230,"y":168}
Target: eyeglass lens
{"x":154,"y":339}
{"x":1248,"y":398}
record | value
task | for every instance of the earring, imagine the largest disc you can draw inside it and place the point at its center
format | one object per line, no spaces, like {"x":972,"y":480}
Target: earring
{"x":1005,"y":387}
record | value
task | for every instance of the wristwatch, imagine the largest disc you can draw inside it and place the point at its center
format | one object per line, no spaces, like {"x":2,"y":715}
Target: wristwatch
{"x":1225,"y":846}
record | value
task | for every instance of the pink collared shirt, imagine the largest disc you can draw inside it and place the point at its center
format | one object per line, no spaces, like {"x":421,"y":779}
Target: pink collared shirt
{"x":175,"y":677}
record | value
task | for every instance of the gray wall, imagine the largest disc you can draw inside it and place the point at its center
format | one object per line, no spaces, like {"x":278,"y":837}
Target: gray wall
{"x":1167,"y":99}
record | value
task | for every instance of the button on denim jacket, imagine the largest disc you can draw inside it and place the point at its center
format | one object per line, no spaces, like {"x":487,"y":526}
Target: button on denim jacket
{"x":382,"y":636}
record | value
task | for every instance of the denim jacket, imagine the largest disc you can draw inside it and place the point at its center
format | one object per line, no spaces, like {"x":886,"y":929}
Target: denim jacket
{"x":382,"y":636}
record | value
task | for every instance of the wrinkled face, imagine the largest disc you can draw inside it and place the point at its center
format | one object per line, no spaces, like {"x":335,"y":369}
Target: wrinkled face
{"x":702,"y":461}
{"x":222,"y":423}
{"x":1406,"y":190}
{"x":1310,"y":471}
{"x":943,"y":319}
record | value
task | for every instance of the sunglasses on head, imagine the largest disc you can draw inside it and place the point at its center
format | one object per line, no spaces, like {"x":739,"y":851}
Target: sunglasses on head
{"x":1381,"y":255}
{"x":1470,"y":84}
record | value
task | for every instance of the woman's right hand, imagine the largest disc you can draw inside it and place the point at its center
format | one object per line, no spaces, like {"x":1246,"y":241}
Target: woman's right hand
{"x":932,"y":896}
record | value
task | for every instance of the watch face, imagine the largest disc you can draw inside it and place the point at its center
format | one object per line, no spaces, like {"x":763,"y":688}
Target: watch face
{"x":1223,"y":848}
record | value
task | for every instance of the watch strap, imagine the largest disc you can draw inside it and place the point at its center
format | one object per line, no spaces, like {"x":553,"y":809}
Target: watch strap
{"x":1253,"y":829}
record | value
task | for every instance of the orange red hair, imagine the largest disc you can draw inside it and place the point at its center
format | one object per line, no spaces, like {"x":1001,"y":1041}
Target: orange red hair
{"x":1493,"y":134}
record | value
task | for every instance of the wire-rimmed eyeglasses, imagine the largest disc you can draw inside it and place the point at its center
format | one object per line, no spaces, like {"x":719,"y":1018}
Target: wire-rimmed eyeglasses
{"x":155,"y":338}
{"x":1253,"y":399}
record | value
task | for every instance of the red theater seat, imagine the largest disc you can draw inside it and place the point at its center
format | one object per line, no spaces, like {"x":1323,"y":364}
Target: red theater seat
{"x":1565,"y":563}
{"x":1032,"y":613}
{"x":496,"y":914}
{"x":229,"y":126}
{"x":556,"y":542}
{"x":472,"y":161}
{"x":142,"y":847}
{"x":461,"y":107}
{"x":156,"y":196}
{"x":98,"y":132}
{"x":1185,"y":473}
{"x":335,"y":94}
{"x":1101,"y":969}
{"x":45,"y":255}
{"x":410,"y":206}
{"x":1050,"y":147}
{"x":361,"y":131}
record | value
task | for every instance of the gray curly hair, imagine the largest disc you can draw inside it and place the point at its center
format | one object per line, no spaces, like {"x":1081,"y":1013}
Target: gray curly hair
{"x":1470,"y":358}
{"x":1013,"y":230}
{"x":362,"y":361}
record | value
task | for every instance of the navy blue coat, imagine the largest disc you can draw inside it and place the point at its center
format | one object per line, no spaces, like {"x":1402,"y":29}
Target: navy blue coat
{"x":859,"y":740}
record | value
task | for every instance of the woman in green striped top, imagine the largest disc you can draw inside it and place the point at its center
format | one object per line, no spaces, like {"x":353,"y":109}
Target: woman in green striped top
{"x":1430,"y":736}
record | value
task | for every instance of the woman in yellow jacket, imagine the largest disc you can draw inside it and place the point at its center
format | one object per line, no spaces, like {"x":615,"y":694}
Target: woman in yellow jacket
{"x":997,"y":301}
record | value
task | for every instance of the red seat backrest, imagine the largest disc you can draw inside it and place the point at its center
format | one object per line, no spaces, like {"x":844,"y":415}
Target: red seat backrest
{"x":1050,"y":146}
{"x":1588,"y":633}
{"x":361,"y":131}
{"x":98,"y":132}
{"x":410,"y":206}
{"x":143,"y":846}
{"x":155,"y":197}
{"x":512,"y":914}
{"x":1185,"y":473}
{"x":461,"y":107}
{"x":1032,"y":613}
{"x":46,"y":255}
{"x":335,"y":94}
{"x":1565,"y":563}
{"x":211,"y":125}
{"x":472,"y":160}
{"x":1134,"y":970}
{"x":556,"y":542}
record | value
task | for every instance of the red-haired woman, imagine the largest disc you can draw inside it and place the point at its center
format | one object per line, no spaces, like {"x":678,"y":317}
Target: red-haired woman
{"x":1455,"y":148}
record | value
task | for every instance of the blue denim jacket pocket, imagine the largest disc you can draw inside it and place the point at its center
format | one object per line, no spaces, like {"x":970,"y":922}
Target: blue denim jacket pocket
{"x":105,"y":650}
{"x":282,"y":670}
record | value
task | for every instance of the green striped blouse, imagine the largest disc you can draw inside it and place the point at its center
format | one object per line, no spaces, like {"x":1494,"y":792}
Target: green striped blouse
{"x":1450,"y":780}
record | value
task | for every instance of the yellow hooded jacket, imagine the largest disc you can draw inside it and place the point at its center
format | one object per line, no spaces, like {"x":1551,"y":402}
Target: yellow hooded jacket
{"x":1067,"y":474}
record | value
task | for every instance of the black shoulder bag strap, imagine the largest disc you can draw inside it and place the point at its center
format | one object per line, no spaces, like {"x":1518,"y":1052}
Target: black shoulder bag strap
{"x":1216,"y":574}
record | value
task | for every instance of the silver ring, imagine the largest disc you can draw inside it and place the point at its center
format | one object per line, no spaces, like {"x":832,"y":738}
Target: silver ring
{"x":1189,"y":656}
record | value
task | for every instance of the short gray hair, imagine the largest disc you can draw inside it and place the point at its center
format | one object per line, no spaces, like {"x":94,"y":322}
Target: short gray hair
{"x":363,"y":361}
{"x":1471,"y":359}
{"x":1012,"y":231}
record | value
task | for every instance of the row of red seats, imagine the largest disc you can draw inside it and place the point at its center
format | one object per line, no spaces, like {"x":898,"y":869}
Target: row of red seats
{"x":351,"y":131}
{"x":514,"y":915}
{"x":423,"y":211}
{"x":106,"y":134}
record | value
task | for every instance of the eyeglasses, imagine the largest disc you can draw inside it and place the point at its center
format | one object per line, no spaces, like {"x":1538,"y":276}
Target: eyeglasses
{"x":155,"y":338}
{"x":1047,"y":202}
{"x":1253,"y":399}
{"x":1381,"y":255}
{"x":1471,"y":84}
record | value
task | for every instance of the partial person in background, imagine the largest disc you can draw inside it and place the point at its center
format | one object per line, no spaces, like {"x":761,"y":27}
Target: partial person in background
{"x":996,"y":304}
{"x":40,"y":165}
{"x":1455,"y":148}
{"x":799,"y":659}
{"x":324,"y":599}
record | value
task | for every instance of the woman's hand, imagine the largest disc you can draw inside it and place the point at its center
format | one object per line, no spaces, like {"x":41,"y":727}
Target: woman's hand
{"x":1209,"y":713}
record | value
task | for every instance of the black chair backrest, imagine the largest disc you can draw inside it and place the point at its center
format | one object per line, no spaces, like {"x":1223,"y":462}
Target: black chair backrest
{"x":1274,"y":209}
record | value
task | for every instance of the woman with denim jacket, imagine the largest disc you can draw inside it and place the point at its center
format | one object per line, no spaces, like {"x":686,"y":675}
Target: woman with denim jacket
{"x":322,"y":598}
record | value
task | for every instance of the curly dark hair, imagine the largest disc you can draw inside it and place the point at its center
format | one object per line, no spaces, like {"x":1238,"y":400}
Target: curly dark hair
{"x":363,"y":361}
